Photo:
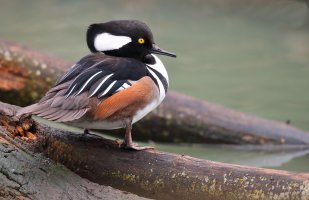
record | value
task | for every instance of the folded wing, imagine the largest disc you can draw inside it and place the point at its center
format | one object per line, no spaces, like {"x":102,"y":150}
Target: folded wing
{"x":90,"y":81}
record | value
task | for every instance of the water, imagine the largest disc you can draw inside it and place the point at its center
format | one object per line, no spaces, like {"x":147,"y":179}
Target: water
{"x":252,"y":57}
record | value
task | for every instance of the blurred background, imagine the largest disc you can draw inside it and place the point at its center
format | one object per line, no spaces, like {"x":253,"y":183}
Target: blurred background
{"x":249,"y":55}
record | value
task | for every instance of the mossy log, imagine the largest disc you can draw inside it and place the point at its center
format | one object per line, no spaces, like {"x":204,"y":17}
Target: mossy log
{"x":148,"y":173}
{"x":25,"y":75}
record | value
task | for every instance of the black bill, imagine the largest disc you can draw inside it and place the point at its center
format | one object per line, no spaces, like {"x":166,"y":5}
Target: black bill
{"x":156,"y":50}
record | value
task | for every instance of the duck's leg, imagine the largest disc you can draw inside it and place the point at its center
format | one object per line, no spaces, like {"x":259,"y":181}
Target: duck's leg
{"x":128,"y":143}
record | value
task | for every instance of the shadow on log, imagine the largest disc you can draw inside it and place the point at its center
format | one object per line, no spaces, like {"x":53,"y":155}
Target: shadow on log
{"x":25,"y":75}
{"x":152,"y":173}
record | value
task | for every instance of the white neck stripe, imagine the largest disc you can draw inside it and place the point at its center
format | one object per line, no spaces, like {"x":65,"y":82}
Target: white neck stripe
{"x":161,"y":87}
{"x":159,"y":67}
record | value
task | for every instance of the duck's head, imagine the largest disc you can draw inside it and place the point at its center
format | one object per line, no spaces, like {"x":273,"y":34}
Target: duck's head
{"x":123,"y":38}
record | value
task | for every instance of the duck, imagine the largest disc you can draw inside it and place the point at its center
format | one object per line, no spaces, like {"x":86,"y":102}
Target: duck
{"x":113,"y":87}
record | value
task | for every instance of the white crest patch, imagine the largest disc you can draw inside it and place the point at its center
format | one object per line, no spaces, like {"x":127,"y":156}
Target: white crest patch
{"x":107,"y":42}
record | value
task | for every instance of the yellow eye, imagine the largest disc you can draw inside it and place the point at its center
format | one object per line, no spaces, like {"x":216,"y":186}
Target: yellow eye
{"x":141,"y":40}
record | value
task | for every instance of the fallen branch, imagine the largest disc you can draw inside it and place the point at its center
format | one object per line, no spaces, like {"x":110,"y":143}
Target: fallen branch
{"x":157,"y":174}
{"x":25,"y":75}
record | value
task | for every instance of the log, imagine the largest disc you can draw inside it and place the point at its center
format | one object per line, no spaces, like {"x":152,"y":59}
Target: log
{"x":25,"y":175}
{"x":31,"y":176}
{"x":185,"y":119}
{"x":152,"y":173}
{"x":26,"y":74}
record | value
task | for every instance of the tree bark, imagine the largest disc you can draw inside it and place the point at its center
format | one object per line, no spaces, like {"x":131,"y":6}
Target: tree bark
{"x":152,"y":173}
{"x":26,"y":175}
{"x":25,"y":75}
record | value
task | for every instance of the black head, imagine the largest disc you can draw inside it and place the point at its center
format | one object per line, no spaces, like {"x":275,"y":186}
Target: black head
{"x":123,"y":38}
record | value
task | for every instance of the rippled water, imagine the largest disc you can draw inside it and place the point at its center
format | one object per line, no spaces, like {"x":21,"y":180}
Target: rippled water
{"x":252,"y":56}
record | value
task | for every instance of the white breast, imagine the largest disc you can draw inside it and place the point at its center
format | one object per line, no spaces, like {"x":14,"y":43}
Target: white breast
{"x":158,"y":66}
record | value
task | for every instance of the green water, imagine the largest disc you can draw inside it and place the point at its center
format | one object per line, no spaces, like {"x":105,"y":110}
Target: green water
{"x":251,"y":56}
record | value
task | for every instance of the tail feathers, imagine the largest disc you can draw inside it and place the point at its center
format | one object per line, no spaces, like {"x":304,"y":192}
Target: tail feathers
{"x":54,"y":114}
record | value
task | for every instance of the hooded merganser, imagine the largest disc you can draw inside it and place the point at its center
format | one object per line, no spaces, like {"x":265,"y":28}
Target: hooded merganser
{"x":114,"y":87}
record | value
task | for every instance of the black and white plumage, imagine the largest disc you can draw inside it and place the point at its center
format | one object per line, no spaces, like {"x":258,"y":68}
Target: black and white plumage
{"x":115,"y":86}
{"x":103,"y":77}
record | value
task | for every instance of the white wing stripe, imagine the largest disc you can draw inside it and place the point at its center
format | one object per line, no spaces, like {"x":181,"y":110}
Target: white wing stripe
{"x":69,"y":72}
{"x":96,"y":64}
{"x":125,"y":85}
{"x":108,"y":88}
{"x":71,"y":91}
{"x":105,"y":79}
{"x":88,"y":82}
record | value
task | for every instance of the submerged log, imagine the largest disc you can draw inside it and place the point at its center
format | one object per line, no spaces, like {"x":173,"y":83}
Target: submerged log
{"x":148,"y":173}
{"x":25,"y":75}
